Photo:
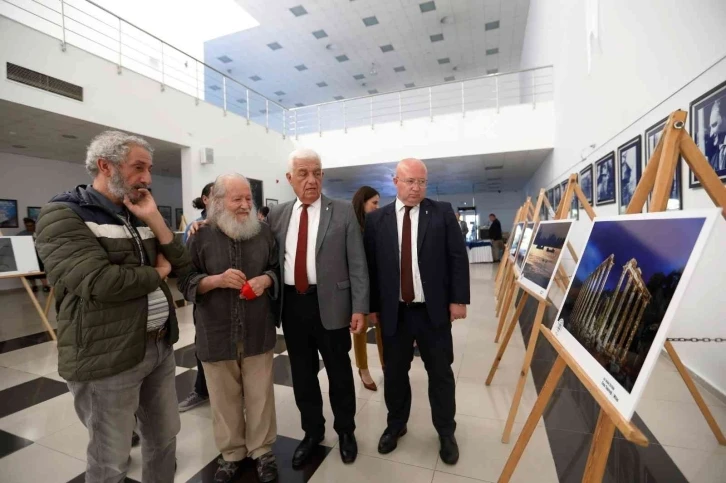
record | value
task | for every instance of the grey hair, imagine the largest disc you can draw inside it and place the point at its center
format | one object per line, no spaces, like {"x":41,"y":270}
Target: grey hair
{"x":113,"y":146}
{"x":219,"y":190}
{"x":304,"y":154}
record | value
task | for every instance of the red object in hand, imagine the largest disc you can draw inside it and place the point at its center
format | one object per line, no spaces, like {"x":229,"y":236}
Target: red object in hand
{"x":247,"y":292}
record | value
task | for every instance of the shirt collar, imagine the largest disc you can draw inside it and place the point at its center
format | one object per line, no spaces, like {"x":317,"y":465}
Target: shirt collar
{"x":400,"y":206}
{"x":100,"y":199}
{"x":316,"y":204}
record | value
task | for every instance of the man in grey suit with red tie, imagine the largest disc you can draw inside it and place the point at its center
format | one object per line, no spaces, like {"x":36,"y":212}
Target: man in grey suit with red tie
{"x":325,"y":298}
{"x":419,"y":272}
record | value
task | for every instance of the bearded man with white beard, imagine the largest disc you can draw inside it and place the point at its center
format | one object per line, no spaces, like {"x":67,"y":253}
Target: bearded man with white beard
{"x":235,"y":327}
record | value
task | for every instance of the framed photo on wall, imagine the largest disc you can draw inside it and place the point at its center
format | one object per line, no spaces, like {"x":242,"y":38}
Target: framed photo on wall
{"x":652,"y":136}
{"x":707,"y":117}
{"x":269,"y":202}
{"x":34,"y":212}
{"x":630,"y":169}
{"x":605,"y":186}
{"x":8,"y":213}
{"x":586,"y":182}
{"x":166,"y":214}
{"x":179,"y":212}
{"x":257,"y":197}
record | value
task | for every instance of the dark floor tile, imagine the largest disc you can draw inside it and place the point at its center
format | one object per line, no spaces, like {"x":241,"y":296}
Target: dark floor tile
{"x":645,"y":465}
{"x":22,"y":396}
{"x":186,"y":356}
{"x":541,"y":370}
{"x":82,"y":478}
{"x":280,"y":345}
{"x":23,"y":342}
{"x":281,"y":370}
{"x":185,"y":384}
{"x":570,"y":451}
{"x":640,"y":424}
{"x":283,"y":449}
{"x":572,"y":411}
{"x":9,"y":443}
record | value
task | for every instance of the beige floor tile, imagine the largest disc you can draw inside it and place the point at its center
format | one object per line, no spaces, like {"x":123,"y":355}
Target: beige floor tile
{"x":494,"y":402}
{"x":37,"y":463}
{"x":41,"y":420}
{"x":13,"y":377}
{"x":367,"y":469}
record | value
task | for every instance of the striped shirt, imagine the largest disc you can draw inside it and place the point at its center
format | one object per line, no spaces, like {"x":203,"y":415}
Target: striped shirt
{"x":158,"y":310}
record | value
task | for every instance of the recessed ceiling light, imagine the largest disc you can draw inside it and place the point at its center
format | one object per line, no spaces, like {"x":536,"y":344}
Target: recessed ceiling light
{"x":493,"y":51}
{"x":400,"y":68}
{"x":342,"y":58}
{"x":301,"y":67}
{"x":256,"y":78}
{"x":359,"y":77}
{"x":409,"y":85}
{"x":445,"y":60}
{"x":320,"y":34}
{"x":370,"y":21}
{"x":322,"y":84}
{"x":224,"y":59}
{"x":427,"y":7}
{"x":436,"y":38}
{"x":338,"y":98}
{"x":19,"y":146}
{"x":274,"y":46}
{"x":491,"y":25}
{"x":298,"y":11}
{"x":215,"y":88}
{"x":448,"y":20}
{"x":279,"y":93}
{"x":449,"y":79}
{"x":492,"y":71}
{"x":69,"y":136}
{"x":373,"y":91}
{"x":386,"y":48}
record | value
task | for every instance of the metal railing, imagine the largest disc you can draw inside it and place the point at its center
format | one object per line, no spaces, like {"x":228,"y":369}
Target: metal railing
{"x":493,"y":91}
{"x":90,"y":27}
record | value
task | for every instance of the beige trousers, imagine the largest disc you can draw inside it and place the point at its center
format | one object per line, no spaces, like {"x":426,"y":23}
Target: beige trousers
{"x":236,"y":386}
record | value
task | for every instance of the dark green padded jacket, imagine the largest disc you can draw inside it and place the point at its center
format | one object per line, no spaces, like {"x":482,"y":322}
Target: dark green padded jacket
{"x":100,"y":260}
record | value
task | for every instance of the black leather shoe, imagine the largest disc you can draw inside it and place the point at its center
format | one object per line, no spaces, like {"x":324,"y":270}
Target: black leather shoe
{"x":348,"y":448}
{"x":305,"y":449}
{"x":449,"y":450}
{"x":389,"y":440}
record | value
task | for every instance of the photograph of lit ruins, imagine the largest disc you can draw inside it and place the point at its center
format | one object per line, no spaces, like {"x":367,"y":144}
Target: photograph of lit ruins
{"x":623,"y":286}
{"x":545,"y":252}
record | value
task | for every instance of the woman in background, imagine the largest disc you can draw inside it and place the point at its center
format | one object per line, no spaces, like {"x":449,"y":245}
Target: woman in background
{"x":366,"y":200}
{"x":200,"y":204}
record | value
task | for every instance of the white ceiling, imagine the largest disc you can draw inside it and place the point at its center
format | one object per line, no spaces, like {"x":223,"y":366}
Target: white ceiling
{"x":401,"y":24}
{"x":34,"y":132}
{"x":455,"y":175}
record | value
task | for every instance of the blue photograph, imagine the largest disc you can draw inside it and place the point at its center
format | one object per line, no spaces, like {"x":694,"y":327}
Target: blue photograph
{"x":605,"y":168}
{"x":708,"y":128}
{"x":629,"y":170}
{"x":586,"y":183}
{"x":34,"y":212}
{"x":8,"y":213}
{"x":652,"y":136}
{"x":624,"y":283}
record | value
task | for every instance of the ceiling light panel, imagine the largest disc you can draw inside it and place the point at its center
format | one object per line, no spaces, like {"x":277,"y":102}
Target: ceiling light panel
{"x":298,"y":11}
{"x":400,"y":68}
{"x":386,"y":48}
{"x":373,"y":91}
{"x":322,"y":84}
{"x":427,"y":7}
{"x":436,"y":38}
{"x":370,"y":21}
{"x":256,"y":78}
{"x":359,"y":77}
{"x":493,"y":51}
{"x":224,"y":59}
{"x":338,"y":98}
{"x":274,"y":46}
{"x":445,"y":60}
{"x":320,"y":34}
{"x":301,"y":67}
{"x":342,"y":58}
{"x":491,"y":25}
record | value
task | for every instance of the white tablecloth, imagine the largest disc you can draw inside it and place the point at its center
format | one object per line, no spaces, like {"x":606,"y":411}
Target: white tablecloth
{"x":480,"y":254}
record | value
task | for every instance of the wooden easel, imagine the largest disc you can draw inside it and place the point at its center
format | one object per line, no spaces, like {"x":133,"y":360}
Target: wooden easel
{"x":508,"y":277}
{"x":43,"y":313}
{"x":504,"y":262}
{"x":573,"y":189}
{"x":182,"y":223}
{"x":658,"y":178}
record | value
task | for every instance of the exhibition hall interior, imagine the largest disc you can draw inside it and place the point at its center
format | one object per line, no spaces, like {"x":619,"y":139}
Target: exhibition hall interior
{"x":550,"y":180}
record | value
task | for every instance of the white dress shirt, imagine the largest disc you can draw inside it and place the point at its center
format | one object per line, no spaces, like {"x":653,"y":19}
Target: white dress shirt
{"x":400,"y":213}
{"x":291,"y":241}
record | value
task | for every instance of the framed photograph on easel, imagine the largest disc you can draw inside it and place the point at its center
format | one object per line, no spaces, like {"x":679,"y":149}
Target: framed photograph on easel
{"x":707,"y":119}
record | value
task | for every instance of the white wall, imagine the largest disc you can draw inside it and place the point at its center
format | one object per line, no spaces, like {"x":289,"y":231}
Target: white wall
{"x":514,"y":128}
{"x":648,"y":62}
{"x":135,"y":103}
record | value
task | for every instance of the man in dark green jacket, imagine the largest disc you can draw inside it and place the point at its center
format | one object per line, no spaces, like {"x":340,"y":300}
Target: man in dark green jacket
{"x":107,"y":252}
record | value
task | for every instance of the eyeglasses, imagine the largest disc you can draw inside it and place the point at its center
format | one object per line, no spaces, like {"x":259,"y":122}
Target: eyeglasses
{"x":410,"y":182}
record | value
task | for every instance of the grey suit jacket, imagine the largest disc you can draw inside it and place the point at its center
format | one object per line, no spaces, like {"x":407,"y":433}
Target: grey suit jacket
{"x":340,"y":260}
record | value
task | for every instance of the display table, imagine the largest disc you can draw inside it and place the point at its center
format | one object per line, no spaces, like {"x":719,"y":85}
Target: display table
{"x":480,"y":251}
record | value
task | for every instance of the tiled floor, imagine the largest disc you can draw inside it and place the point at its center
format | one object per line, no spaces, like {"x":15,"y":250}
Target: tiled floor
{"x":41,"y":439}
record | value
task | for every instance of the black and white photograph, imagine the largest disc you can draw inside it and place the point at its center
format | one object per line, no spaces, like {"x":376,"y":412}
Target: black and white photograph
{"x":586,"y":182}
{"x":652,"y":136}
{"x":8,"y":213}
{"x":544,"y":255}
{"x":7,"y":256}
{"x":269,"y":202}
{"x":166,"y":214}
{"x":257,"y":197}
{"x":708,"y":127}
{"x":629,"y":170}
{"x":605,"y":186}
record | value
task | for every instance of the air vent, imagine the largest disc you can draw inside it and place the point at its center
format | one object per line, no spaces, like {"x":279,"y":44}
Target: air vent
{"x":45,"y":82}
{"x":492,"y":168}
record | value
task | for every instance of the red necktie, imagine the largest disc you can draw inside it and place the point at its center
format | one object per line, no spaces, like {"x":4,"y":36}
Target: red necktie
{"x":301,"y":254}
{"x":407,"y":291}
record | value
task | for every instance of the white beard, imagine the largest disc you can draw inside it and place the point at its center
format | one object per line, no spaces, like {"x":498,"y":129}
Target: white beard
{"x":236,"y":230}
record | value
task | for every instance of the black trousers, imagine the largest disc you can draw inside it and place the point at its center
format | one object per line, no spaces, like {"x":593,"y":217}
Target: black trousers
{"x":305,"y":336}
{"x":437,"y":352}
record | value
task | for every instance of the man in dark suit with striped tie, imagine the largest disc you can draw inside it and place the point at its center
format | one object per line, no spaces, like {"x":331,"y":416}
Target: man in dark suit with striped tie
{"x":419,"y":273}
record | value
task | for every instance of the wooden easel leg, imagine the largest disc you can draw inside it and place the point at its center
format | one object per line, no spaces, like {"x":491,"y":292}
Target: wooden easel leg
{"x":506,"y":307}
{"x":602,"y":440}
{"x":544,"y":397}
{"x":533,"y":336}
{"x":695,"y":393}
{"x":506,"y":283}
{"x":49,"y":302}
{"x":37,"y":306}
{"x":507,"y":335}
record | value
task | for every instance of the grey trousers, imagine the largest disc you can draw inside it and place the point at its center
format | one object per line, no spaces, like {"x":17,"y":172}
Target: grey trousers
{"x":109,"y":407}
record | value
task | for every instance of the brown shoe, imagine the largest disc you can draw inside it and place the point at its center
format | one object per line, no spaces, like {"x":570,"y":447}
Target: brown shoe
{"x":371,"y":387}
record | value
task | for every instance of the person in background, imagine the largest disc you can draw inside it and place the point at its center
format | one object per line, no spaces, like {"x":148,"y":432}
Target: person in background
{"x":462,"y":224}
{"x":107,"y":252}
{"x":495,"y":235}
{"x":199,"y":394}
{"x":30,"y":231}
{"x":366,"y":200}
{"x":325,"y":297}
{"x":236,"y":334}
{"x":418,"y":301}
{"x":262,"y":214}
